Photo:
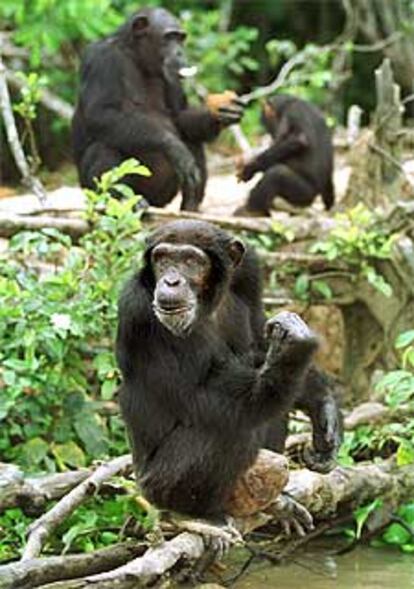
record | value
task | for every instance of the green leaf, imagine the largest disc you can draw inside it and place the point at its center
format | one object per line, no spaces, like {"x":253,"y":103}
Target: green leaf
{"x":405,"y":339}
{"x":405,"y":453}
{"x":396,"y":534}
{"x":322,"y":288}
{"x":34,"y":451}
{"x":90,"y":431}
{"x":362,"y":513}
{"x":69,"y":454}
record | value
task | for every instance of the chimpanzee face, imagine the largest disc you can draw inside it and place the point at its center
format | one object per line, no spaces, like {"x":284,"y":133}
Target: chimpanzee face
{"x":181,"y":273}
{"x":160,"y":43}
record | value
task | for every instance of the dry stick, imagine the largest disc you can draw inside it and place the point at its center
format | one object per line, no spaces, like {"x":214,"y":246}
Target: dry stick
{"x":42,"y":527}
{"x":28,"y":179}
{"x":39,"y":571}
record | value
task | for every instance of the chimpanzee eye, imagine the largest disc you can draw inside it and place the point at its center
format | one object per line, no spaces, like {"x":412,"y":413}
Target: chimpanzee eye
{"x":177,"y":36}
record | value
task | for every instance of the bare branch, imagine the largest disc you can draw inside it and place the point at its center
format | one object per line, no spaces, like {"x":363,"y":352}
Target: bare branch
{"x":6,"y":109}
{"x":44,"y":526}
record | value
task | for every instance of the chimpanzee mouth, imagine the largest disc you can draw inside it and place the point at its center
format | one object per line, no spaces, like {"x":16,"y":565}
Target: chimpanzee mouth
{"x":171,"y":310}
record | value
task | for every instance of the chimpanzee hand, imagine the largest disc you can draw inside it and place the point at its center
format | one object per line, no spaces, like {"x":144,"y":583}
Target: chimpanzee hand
{"x":245,"y":170}
{"x":188,"y":173}
{"x":226,"y":107}
{"x":327,"y":438}
{"x":289,"y":334}
{"x":231,"y":114}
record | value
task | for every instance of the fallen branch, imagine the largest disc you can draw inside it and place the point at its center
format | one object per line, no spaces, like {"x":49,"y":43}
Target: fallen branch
{"x":39,"y":571}
{"x":6,"y":110}
{"x":10,"y":224}
{"x":33,"y":492}
{"x":42,"y":527}
{"x":325,"y":496}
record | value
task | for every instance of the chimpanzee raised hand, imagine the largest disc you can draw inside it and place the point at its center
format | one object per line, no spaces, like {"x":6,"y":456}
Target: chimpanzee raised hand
{"x":206,"y":382}
{"x":132,"y":104}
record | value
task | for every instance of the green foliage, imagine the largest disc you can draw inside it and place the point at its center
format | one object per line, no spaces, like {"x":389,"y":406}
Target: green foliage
{"x":356,"y":240}
{"x":95,"y":524}
{"x":397,"y":388}
{"x":47,"y":27}
{"x":58,"y":315}
{"x":313,"y":73}
{"x":222,"y":57}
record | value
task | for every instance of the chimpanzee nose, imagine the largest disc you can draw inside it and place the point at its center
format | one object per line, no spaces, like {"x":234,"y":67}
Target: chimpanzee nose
{"x":172,"y":279}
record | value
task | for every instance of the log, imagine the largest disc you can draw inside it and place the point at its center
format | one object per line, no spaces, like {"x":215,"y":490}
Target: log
{"x":10,"y":224}
{"x":33,"y":492}
{"x":39,"y":571}
{"x":325,"y":496}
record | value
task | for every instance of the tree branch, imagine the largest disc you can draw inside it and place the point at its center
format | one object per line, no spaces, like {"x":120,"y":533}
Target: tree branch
{"x":43,"y":527}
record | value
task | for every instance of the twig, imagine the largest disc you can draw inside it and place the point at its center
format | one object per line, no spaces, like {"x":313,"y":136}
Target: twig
{"x":43,"y":527}
{"x":47,"y":98}
{"x":28,"y":179}
{"x":279,"y":81}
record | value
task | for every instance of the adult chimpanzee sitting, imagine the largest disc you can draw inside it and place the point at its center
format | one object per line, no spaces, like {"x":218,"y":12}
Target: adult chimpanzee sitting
{"x":298,"y":165}
{"x":132,"y":104}
{"x":207,"y":382}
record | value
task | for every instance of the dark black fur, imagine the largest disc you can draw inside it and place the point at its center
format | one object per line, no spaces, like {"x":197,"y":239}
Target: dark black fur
{"x":132,"y":104}
{"x":299,"y":164}
{"x":198,"y":408}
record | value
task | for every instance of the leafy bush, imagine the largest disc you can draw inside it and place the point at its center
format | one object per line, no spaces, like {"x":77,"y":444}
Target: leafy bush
{"x":356,"y":240}
{"x":57,"y":322}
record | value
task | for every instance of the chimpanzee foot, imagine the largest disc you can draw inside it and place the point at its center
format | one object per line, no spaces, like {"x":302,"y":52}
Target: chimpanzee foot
{"x":291,"y":514}
{"x":287,"y":331}
{"x":218,"y":536}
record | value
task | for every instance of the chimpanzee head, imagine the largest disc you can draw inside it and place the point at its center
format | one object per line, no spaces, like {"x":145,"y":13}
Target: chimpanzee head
{"x":157,"y":41}
{"x":272,"y":110}
{"x":188,"y":265}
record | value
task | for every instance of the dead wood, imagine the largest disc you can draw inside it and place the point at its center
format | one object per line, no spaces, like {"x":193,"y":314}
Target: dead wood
{"x":42,"y":527}
{"x":326,"y":496}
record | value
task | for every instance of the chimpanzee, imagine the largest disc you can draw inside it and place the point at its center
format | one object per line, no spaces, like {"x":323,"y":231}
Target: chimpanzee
{"x":132,"y":104}
{"x":206,"y":381}
{"x":298,"y":165}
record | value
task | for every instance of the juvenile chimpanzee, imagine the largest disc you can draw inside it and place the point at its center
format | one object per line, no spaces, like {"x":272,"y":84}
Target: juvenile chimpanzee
{"x":298,"y":165}
{"x":206,"y":382}
{"x":132,"y":104}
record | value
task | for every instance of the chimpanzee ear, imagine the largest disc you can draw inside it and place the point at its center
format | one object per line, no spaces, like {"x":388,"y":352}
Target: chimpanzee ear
{"x":139,"y":25}
{"x":236,"y":251}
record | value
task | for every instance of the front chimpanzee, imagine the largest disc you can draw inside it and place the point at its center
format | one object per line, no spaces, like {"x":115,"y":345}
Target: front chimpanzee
{"x":132,"y":104}
{"x":205,"y":380}
{"x":298,"y":165}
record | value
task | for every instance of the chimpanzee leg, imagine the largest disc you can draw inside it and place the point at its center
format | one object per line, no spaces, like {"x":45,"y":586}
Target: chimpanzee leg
{"x":158,"y":189}
{"x":280,"y":180}
{"x":96,"y":160}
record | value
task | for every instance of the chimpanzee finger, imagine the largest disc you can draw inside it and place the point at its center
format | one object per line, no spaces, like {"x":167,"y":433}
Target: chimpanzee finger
{"x":230,"y":109}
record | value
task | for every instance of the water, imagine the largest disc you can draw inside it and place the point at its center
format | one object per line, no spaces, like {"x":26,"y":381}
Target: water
{"x":363,"y":568}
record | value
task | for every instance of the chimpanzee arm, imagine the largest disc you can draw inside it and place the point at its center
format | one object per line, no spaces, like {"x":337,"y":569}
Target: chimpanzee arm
{"x":237,"y":394}
{"x":198,"y":125}
{"x":319,"y":401}
{"x":292,"y":145}
{"x":104,"y":106}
